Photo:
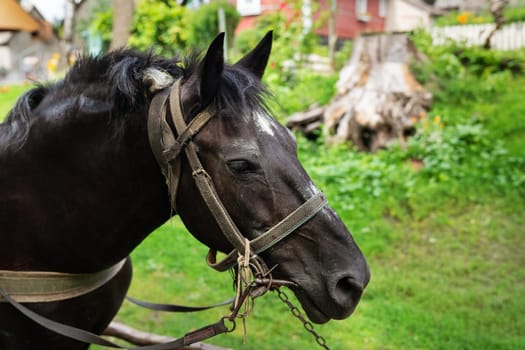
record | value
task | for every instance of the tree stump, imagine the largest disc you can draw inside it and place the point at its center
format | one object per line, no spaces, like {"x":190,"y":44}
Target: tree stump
{"x":378,"y":99}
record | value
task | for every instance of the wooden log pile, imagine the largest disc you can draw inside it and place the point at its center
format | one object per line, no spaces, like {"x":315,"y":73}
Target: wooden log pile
{"x":378,"y":99}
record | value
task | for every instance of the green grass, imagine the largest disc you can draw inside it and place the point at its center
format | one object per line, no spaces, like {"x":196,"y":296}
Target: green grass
{"x":8,"y":96}
{"x":445,"y":244}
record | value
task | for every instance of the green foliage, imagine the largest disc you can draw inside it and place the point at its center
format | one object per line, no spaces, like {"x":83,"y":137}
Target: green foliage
{"x":246,"y":40}
{"x":102,"y":24}
{"x":168,"y":27}
{"x":291,"y":42}
{"x":204,"y":23}
{"x":511,"y":14}
{"x":457,"y":155}
{"x":461,"y":18}
{"x":467,"y":154}
{"x":343,"y":54}
{"x":514,"y":14}
{"x":295,"y":87}
{"x":98,"y":20}
{"x":8,"y":96}
{"x":453,"y":71}
{"x":160,"y":25}
{"x":301,"y":90}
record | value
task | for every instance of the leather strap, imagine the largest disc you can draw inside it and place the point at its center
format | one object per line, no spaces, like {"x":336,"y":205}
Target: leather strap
{"x":40,"y":286}
{"x":161,"y":138}
{"x":62,"y":329}
{"x":201,"y":177}
{"x":290,"y":223}
{"x":174,"y":307}
{"x":91,"y":338}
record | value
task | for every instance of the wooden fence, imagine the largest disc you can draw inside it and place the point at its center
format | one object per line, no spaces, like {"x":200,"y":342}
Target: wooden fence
{"x":509,"y":37}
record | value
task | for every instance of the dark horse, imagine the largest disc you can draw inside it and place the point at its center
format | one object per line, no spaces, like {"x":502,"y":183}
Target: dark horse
{"x":80,"y":187}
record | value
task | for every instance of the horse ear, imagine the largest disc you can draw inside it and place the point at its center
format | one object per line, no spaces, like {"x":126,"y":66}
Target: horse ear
{"x":255,"y":61}
{"x":210,"y":70}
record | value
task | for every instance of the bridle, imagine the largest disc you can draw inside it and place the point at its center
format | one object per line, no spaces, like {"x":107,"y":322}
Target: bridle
{"x":168,"y":148}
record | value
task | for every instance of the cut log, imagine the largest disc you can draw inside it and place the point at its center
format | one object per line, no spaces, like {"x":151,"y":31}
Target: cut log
{"x":307,"y":122}
{"x":139,"y":338}
{"x":378,"y":99}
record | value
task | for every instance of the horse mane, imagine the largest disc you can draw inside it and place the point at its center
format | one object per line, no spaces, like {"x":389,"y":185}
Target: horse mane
{"x":18,"y":119}
{"x":123,"y":72}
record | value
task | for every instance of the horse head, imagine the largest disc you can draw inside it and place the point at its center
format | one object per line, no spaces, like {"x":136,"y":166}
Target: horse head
{"x":252,"y":161}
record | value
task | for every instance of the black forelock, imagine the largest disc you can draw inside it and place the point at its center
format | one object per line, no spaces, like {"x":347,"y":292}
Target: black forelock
{"x":239,"y":90}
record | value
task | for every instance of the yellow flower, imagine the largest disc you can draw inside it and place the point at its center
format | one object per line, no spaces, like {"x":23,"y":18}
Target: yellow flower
{"x":437,"y":119}
{"x":463,"y":18}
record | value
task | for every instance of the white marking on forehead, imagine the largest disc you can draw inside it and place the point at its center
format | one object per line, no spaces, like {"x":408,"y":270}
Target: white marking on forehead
{"x":264,"y":123}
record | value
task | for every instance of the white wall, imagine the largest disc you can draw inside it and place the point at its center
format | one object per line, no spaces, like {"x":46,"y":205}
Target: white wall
{"x":403,"y":16}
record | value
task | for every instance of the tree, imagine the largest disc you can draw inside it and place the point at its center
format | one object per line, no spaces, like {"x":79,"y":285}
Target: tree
{"x":496,"y":8}
{"x":122,"y":18}
{"x":332,"y":33}
{"x":72,"y":7}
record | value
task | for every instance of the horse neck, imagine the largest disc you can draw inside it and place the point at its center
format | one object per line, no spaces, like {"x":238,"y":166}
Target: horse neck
{"x":70,"y":209}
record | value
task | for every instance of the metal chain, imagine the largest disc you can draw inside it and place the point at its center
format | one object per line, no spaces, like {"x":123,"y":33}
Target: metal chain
{"x":306,"y":324}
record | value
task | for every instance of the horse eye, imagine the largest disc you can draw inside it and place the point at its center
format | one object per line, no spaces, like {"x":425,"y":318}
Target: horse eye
{"x":241,"y":166}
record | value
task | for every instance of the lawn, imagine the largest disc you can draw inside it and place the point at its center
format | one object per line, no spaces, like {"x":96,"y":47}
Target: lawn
{"x":445,"y":244}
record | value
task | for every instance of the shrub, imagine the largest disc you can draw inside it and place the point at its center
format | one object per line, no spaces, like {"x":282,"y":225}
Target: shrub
{"x":203,"y":24}
{"x":511,"y":14}
{"x":453,"y":71}
{"x":301,"y":90}
{"x":246,"y":40}
{"x":160,"y":25}
{"x":155,"y":24}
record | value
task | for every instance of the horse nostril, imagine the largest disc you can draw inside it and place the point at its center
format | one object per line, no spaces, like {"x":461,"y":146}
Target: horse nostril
{"x":347,"y":291}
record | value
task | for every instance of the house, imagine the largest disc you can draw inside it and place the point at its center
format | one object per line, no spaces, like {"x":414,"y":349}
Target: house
{"x":406,"y":15}
{"x":29,"y":52}
{"x":353,"y":17}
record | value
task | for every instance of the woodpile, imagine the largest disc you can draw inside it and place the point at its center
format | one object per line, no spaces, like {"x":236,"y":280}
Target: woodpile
{"x":378,"y":100}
